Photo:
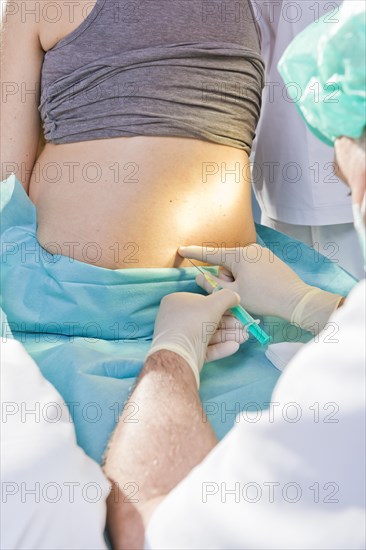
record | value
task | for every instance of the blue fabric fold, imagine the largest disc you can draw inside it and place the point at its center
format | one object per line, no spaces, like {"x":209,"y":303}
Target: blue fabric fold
{"x":89,"y":328}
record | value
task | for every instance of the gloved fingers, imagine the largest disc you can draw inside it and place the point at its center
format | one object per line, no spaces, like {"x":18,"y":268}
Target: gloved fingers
{"x":203,"y":283}
{"x":228,"y":321}
{"x":225,"y":274}
{"x":222,"y":300}
{"x":221,"y":350}
{"x":237,"y":334}
{"x":231,"y":329}
{"x":209,"y":254}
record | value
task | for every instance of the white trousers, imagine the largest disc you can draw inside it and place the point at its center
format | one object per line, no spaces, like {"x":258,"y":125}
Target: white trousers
{"x":339,"y":243}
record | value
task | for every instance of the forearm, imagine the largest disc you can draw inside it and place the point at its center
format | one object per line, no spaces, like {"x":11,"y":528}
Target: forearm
{"x":171,"y":436}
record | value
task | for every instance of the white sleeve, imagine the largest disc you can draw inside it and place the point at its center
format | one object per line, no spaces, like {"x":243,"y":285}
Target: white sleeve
{"x":53,"y":494}
{"x":267,"y":14}
{"x":291,"y":477}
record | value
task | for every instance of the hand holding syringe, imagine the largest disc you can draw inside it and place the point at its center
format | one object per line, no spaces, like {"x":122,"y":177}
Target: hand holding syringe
{"x":266,"y":286}
{"x":239,"y":312}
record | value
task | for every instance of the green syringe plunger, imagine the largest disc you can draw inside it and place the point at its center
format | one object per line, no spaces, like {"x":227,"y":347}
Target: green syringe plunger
{"x":243,"y":316}
{"x":251,"y":325}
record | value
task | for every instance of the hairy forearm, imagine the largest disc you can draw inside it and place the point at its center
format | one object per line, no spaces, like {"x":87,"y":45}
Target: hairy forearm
{"x":170,"y":437}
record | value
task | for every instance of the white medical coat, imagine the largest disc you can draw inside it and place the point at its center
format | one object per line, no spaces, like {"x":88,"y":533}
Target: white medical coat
{"x":291,"y":477}
{"x":53,"y":494}
{"x":293,"y":177}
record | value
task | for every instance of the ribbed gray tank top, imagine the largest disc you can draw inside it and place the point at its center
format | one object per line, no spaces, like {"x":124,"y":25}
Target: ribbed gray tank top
{"x":189,"y":68}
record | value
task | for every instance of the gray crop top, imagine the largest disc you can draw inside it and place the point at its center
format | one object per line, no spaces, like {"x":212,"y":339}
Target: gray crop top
{"x":189,"y":68}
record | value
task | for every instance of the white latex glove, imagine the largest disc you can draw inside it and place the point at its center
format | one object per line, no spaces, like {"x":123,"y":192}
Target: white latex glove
{"x":266,"y":285}
{"x":195,"y":327}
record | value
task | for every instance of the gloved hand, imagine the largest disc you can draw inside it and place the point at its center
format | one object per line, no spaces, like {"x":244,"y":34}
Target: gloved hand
{"x":195,"y":327}
{"x":266,"y":285}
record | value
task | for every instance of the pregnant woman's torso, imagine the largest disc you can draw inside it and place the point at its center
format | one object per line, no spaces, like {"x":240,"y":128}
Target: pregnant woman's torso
{"x":131,"y":201}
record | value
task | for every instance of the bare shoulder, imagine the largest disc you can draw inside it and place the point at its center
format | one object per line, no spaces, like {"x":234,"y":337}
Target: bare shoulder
{"x":20,"y":25}
{"x":20,"y":21}
{"x":48,"y":21}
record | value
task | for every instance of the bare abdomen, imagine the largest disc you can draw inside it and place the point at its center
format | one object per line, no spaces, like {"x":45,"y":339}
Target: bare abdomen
{"x":131,"y":202}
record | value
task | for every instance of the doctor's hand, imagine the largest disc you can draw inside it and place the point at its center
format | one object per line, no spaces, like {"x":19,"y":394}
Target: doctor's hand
{"x":266,"y":285}
{"x":197,"y":328}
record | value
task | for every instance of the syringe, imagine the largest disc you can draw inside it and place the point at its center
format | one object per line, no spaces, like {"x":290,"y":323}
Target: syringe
{"x":239,"y":312}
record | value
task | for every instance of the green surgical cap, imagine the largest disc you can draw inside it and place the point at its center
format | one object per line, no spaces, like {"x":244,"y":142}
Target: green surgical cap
{"x":324,"y":69}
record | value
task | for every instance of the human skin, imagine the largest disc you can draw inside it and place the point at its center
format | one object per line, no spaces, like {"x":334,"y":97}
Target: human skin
{"x":164,"y":378}
{"x":150,"y":194}
{"x":159,"y":450}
